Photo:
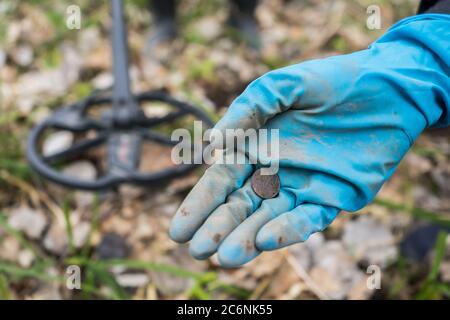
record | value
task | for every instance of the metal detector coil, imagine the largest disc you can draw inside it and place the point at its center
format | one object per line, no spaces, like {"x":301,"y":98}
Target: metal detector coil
{"x":122,"y":128}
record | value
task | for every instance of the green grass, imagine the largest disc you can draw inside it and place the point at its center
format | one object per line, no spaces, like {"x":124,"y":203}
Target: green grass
{"x":4,"y":288}
{"x":418,"y":213}
{"x":69,"y":231}
{"x":432,"y":288}
{"x":97,"y":273}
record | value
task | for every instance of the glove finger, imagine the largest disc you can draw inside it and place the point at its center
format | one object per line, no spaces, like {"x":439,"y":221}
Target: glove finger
{"x":239,"y":205}
{"x":239,"y":247}
{"x":210,"y":192}
{"x":295,"y":226}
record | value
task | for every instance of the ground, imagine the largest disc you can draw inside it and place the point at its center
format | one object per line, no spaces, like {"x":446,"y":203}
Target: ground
{"x":119,"y":239}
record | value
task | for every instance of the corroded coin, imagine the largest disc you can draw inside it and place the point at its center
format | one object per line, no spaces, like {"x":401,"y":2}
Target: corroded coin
{"x":265,"y":186}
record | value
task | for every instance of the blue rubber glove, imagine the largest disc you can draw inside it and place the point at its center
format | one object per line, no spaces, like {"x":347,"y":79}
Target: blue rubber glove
{"x":344,"y":123}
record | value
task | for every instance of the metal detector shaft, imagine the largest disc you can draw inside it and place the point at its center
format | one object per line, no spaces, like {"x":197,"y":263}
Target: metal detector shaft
{"x":122,"y":92}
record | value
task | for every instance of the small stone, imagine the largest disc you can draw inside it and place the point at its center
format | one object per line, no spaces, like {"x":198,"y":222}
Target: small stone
{"x":9,"y":247}
{"x":208,"y":28}
{"x":84,"y":199}
{"x":81,"y":233}
{"x":132,"y":280}
{"x":334,"y":271}
{"x":83,"y":170}
{"x":28,"y":220}
{"x":129,"y":191}
{"x":49,"y":290}
{"x":418,"y":164}
{"x":112,"y":246}
{"x":23,"y":55}
{"x":57,"y":142}
{"x":103,"y":81}
{"x":441,"y":176}
{"x":25,"y":258}
{"x":265,"y":186}
{"x":56,"y":239}
{"x":25,"y":104}
{"x":302,"y":255}
{"x":144,"y":229}
{"x":445,"y":271}
{"x":2,"y":58}
{"x":170,"y":285}
{"x":315,"y":241}
{"x":369,"y":240}
{"x":88,"y":40}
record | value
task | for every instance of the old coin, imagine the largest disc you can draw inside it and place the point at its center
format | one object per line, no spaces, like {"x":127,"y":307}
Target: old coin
{"x":265,"y":186}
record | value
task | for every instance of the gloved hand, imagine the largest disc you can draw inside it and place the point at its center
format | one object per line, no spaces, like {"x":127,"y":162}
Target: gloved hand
{"x":344,"y":124}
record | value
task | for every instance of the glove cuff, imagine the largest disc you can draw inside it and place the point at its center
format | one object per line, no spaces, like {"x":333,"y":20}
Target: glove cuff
{"x":427,"y":36}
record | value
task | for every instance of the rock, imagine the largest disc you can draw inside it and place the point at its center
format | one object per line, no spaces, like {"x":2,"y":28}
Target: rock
{"x":84,"y":199}
{"x":208,"y":28}
{"x":282,"y":281}
{"x":445,"y":271}
{"x":53,"y":82}
{"x":441,"y":176}
{"x":83,"y":170}
{"x":2,"y":58}
{"x":302,"y":255}
{"x":170,"y":208}
{"x":119,"y":225}
{"x":49,"y":290}
{"x":359,"y":290}
{"x":130,"y":192}
{"x":28,"y":220}
{"x":112,"y":246}
{"x":56,"y":142}
{"x":418,"y":164}
{"x":167,"y":283}
{"x":56,"y":240}
{"x":25,"y":104}
{"x":81,"y":233}
{"x":327,"y":282}
{"x":71,"y":66}
{"x":303,"y":252}
{"x":369,"y":240}
{"x":23,"y":55}
{"x":182,"y":183}
{"x":14,"y":31}
{"x":331,"y":268}
{"x":425,"y":198}
{"x":355,"y":36}
{"x":88,"y":40}
{"x":132,"y":280}
{"x":9,"y":247}
{"x":315,"y":241}
{"x":144,"y":229}
{"x":25,"y":258}
{"x":334,"y":271}
{"x":266,"y":264}
{"x":154,"y":72}
{"x":49,"y":82}
{"x":103,"y":81}
{"x":157,"y":110}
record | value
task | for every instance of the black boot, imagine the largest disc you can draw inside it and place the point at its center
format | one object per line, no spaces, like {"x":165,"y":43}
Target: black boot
{"x":164,"y":27}
{"x":242,"y":19}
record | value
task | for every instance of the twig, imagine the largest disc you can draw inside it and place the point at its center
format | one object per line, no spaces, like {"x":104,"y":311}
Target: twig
{"x":302,"y":274}
{"x":260,"y":289}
